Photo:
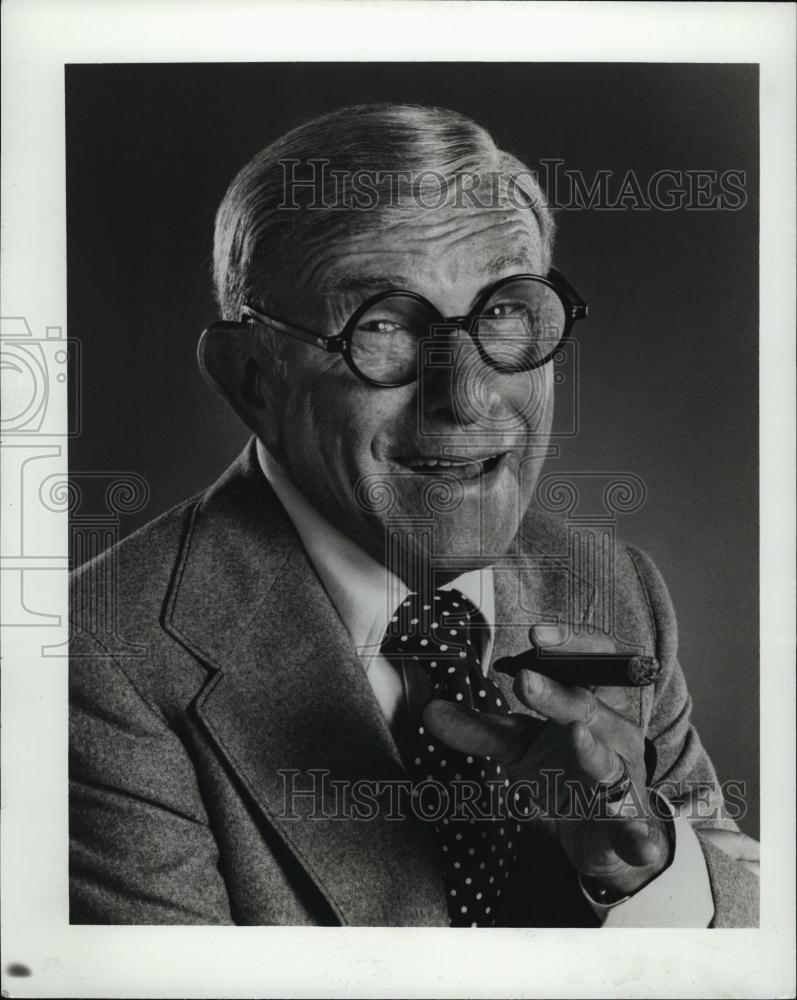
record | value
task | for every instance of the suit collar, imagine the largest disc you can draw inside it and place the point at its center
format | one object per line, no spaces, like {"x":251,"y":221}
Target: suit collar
{"x":240,"y":541}
{"x":236,"y":545}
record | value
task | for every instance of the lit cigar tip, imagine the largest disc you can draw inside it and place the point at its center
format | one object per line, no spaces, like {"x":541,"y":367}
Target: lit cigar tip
{"x":643,"y":670}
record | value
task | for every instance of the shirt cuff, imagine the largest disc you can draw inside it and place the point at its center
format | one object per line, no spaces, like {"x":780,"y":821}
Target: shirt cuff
{"x":679,"y":897}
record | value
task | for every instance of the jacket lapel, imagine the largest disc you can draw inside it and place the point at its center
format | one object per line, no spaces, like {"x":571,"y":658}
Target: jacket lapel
{"x":291,"y":709}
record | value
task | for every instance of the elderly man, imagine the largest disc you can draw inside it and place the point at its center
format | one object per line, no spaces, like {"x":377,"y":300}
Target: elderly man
{"x":304,"y":724}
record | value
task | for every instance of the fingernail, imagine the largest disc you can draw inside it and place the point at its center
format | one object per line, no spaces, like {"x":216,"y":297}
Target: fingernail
{"x":545,"y":635}
{"x":535,"y":683}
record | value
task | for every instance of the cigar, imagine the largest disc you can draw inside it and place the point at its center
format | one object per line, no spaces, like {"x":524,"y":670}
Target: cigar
{"x":586,"y":669}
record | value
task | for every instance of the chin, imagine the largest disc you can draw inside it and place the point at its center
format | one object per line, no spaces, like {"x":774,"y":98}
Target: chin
{"x":437,"y":523}
{"x":446,"y":546}
{"x":470,"y":546}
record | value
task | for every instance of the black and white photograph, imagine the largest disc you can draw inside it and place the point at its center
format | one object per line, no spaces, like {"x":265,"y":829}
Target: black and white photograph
{"x":400,"y":538}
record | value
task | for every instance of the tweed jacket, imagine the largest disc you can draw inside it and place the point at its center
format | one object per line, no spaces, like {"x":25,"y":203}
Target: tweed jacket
{"x":222,"y":677}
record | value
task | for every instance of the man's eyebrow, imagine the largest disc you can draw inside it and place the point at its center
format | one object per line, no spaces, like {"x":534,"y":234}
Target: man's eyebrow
{"x":353,"y":282}
{"x":506,"y":261}
{"x":336,"y":283}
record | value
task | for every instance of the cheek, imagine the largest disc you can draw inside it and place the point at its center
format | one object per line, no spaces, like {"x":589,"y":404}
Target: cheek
{"x":331,"y":424}
{"x":527,"y":403}
{"x":540,"y":419}
{"x":546,"y":391}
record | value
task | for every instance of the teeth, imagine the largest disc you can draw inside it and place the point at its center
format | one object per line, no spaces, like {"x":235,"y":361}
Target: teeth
{"x":447,"y":463}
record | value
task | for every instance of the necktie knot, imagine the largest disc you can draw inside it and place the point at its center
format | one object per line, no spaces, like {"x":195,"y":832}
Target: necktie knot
{"x":437,"y":629}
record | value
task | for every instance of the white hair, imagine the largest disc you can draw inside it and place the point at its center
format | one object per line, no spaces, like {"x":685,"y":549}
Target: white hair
{"x":262,"y":224}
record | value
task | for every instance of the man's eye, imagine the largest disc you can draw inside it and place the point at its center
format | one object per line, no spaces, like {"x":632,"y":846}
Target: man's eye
{"x":383,"y":326}
{"x":502,"y":310}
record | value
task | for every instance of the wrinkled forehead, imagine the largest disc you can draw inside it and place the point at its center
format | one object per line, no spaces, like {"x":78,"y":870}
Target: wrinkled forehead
{"x":419,"y":248}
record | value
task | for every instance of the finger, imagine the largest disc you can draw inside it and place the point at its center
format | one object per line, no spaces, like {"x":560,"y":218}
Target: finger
{"x":562,"y":639}
{"x":619,"y":701}
{"x":628,"y":831}
{"x":558,"y":702}
{"x":632,"y":843}
{"x":505,"y":737}
{"x":593,"y":761}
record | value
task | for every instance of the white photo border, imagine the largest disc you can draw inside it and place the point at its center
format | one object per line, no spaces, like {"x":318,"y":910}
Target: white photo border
{"x":39,"y":38}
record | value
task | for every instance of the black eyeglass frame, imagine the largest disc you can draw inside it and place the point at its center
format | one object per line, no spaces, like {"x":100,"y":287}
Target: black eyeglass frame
{"x":340,"y":343}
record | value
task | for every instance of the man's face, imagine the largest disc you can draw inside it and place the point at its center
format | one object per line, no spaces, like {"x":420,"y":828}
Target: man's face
{"x":340,"y":438}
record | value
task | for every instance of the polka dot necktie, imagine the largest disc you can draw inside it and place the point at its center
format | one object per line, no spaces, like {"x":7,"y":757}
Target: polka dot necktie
{"x":462,"y":794}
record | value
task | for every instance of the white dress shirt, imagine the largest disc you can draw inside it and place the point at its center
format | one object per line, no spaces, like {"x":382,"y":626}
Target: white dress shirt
{"x":365,"y":594}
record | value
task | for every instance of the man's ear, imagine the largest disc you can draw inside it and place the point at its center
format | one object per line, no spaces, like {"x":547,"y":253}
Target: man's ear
{"x":231,"y":364}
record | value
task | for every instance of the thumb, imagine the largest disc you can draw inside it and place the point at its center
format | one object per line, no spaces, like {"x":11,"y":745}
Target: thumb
{"x":504,"y":737}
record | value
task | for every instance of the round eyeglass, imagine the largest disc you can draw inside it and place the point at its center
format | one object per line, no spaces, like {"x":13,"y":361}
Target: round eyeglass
{"x":517,"y":324}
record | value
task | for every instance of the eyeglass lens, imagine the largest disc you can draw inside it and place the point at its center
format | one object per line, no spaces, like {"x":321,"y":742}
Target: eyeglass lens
{"x":518,"y":328}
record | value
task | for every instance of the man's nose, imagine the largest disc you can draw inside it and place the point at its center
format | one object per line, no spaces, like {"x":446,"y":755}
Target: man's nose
{"x":457,"y":386}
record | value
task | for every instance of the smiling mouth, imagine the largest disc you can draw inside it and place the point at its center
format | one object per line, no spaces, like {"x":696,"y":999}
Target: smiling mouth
{"x":462,"y":468}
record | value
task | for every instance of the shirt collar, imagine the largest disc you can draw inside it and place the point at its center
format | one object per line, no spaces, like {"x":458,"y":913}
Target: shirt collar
{"x":364,"y":592}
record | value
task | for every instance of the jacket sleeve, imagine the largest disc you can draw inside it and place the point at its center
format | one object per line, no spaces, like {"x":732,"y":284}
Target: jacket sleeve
{"x":684,"y":772}
{"x":141,"y":850}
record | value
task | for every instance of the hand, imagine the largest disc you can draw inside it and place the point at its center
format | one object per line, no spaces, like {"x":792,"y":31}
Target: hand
{"x":583,"y":739}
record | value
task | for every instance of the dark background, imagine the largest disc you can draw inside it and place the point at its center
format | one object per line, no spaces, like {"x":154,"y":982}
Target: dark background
{"x":669,"y":381}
